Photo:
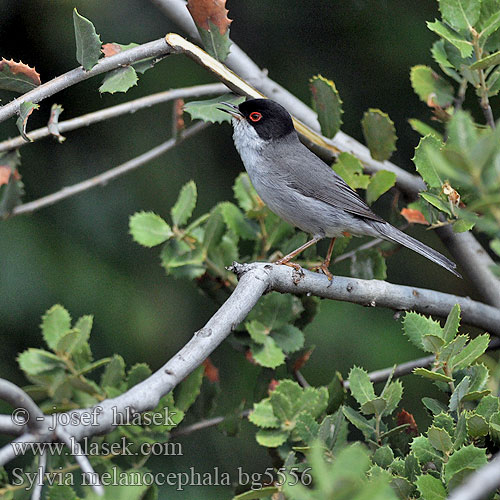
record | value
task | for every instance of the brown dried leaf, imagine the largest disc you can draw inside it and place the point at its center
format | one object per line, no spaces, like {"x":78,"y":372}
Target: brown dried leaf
{"x":300,"y":362}
{"x":23,"y":69}
{"x":5,"y":173}
{"x":414,"y":216}
{"x":179,"y":124}
{"x":211,"y":371}
{"x":272,"y":385}
{"x":452,"y":194}
{"x":214,"y":11}
{"x":404,"y":417}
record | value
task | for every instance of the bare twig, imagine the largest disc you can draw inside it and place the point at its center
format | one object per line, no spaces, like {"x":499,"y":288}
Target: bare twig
{"x":114,"y":111}
{"x":156,"y":48}
{"x":480,"y":483}
{"x":76,"y":451}
{"x":25,"y":409}
{"x":37,"y":487}
{"x":109,"y":175}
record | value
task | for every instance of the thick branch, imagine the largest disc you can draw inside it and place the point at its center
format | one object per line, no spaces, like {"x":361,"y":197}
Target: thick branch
{"x":109,"y":175}
{"x":114,"y":111}
{"x":25,"y":409}
{"x":156,"y":48}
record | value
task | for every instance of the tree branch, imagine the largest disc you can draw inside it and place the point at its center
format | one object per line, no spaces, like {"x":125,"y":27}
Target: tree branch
{"x":114,"y":111}
{"x":156,"y":48}
{"x":26,"y":410}
{"x":109,"y":175}
{"x":42,"y":465}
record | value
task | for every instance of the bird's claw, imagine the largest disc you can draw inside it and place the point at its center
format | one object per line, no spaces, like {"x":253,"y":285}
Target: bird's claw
{"x":324,"y":269}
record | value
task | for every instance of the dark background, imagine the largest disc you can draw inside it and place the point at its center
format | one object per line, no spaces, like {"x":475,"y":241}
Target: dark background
{"x":79,"y":253}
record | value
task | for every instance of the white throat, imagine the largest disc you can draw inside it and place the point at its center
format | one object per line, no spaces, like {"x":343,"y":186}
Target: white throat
{"x":247,"y":142}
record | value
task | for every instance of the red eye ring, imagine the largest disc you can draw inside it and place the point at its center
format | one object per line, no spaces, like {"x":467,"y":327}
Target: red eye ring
{"x":255,"y":116}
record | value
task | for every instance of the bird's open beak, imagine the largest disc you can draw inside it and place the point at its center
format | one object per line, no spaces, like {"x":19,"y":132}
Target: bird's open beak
{"x":232,"y":110}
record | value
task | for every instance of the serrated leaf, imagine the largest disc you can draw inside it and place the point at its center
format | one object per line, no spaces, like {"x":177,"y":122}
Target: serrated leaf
{"x":416,"y":326}
{"x":437,"y":202}
{"x":276,"y":310}
{"x":38,"y":361}
{"x":450,"y":328}
{"x":383,"y":456}
{"x":214,"y":229}
{"x":368,"y":264}
{"x":468,"y":457}
{"x":137,"y":374}
{"x":375,"y":406}
{"x":189,"y":389}
{"x":475,"y":348}
{"x":463,"y":45}
{"x":423,"y":129}
{"x":288,"y":338}
{"x":351,"y":170}
{"x":432,"y":343}
{"x":430,"y":487}
{"x":88,"y":42}
{"x":439,"y":439}
{"x":114,"y":373}
{"x":149,"y":229}
{"x":424,"y":166}
{"x":271,"y":438}
{"x":424,"y":372}
{"x":379,"y":133}
{"x":328,"y":105}
{"x":380,"y":183}
{"x":17,"y":76}
{"x":182,"y":261}
{"x":427,"y":84}
{"x":306,"y":428}
{"x":488,"y":406}
{"x":71,"y":341}
{"x":257,"y":331}
{"x":462,"y":225}
{"x":477,"y":426}
{"x":360,"y":385}
{"x":444,"y":421}
{"x":392,"y":395}
{"x":424,"y":451}
{"x":262,"y":415}
{"x":458,"y":394}
{"x":25,"y":110}
{"x":244,"y":192}
{"x":494,"y":425}
{"x":434,"y":406}
{"x":488,"y":24}
{"x":119,"y":80}
{"x":236,"y":221}
{"x":460,"y":14}
{"x":268,"y":354}
{"x":61,"y":492}
{"x":359,"y":422}
{"x":479,"y":376}
{"x":56,"y":322}
{"x":184,"y":206}
{"x":453,"y":348}
{"x":462,"y":132}
{"x":208,"y":110}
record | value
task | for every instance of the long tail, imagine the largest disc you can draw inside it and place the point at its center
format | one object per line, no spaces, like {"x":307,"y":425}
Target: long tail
{"x":391,"y":233}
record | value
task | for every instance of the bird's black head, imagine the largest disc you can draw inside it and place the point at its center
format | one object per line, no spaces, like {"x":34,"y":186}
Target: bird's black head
{"x":269,"y":119}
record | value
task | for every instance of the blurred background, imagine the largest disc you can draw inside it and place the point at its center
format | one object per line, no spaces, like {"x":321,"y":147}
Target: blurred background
{"x":78,"y":252}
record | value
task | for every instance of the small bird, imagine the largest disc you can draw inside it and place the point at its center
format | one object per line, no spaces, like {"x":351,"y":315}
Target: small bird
{"x":302,"y":189}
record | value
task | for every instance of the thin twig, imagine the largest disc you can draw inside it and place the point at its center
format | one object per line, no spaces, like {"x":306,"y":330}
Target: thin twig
{"x":114,"y":111}
{"x":40,"y":474}
{"x":156,"y":48}
{"x":26,"y":411}
{"x":109,"y":175}
{"x":76,"y":451}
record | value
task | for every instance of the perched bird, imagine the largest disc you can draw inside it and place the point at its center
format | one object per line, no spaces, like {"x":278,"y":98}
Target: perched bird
{"x":303,"y":190}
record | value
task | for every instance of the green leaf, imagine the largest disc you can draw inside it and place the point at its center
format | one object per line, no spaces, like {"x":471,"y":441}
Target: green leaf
{"x":119,"y":80}
{"x":450,"y":328}
{"x":368,"y":264}
{"x":244,"y":192}
{"x":428,"y":84}
{"x":263,"y":492}
{"x":84,"y":324}
{"x":430,"y":487}
{"x":328,"y":105}
{"x":268,"y":354}
{"x":460,"y":14}
{"x":437,"y":202}
{"x":376,"y":406}
{"x":495,"y":246}
{"x":444,"y":421}
{"x":487,"y":407}
{"x":61,"y":492}
{"x":208,"y":110}
{"x":489,"y":23}
{"x":88,"y":43}
{"x":359,"y":422}
{"x":424,"y":451}
{"x":71,"y":341}
{"x":462,"y":225}
{"x":275,"y":310}
{"x":215,"y":43}
{"x":494,"y":424}
{"x":236,"y":221}
{"x":262,"y":415}
{"x":38,"y":361}
{"x":468,"y":457}
{"x":423,"y":372}
{"x":434,"y":406}
{"x":383,"y":456}
{"x":182,"y":261}
{"x":149,"y":229}
{"x":360,"y":386}
{"x":271,"y":438}
{"x":460,"y":432}
{"x":25,"y":110}
{"x":423,"y":129}
{"x":381,"y":182}
{"x":479,"y":377}
{"x":288,"y":338}
{"x":439,"y":439}
{"x":138,"y":373}
{"x":380,"y":134}
{"x":184,"y":206}
{"x":475,"y":348}
{"x":462,"y":132}
{"x":306,"y":427}
{"x":453,"y":348}
{"x":56,"y":322}
{"x":392,"y":395}
{"x":351,"y":170}
{"x":189,"y":389}
{"x":214,"y":229}
{"x":486,"y":62}
{"x":257,"y":331}
{"x":432,"y":343}
{"x":114,"y":373}
{"x":416,"y":326}
{"x":10,"y":195}
{"x":336,"y":393}
{"x":458,"y":394}
{"x":477,"y":426}
{"x":424,"y":166}
{"x":463,"y":45}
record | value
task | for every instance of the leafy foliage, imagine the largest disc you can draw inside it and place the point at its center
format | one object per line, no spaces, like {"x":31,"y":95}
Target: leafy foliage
{"x":328,"y":105}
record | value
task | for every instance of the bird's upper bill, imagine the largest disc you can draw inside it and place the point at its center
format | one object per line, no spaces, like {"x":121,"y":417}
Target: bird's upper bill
{"x":232,"y":110}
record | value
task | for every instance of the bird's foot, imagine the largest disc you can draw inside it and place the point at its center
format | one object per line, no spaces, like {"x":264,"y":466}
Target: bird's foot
{"x":324,"y":269}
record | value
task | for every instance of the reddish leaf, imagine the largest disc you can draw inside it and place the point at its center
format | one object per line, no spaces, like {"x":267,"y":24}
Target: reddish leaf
{"x":414,"y":216}
{"x":23,"y":70}
{"x":211,"y":371}
{"x":110,"y":49}
{"x":214,"y":11}
{"x":4,"y":174}
{"x":300,"y":362}
{"x":272,"y":385}
{"x":453,"y":195}
{"x":179,"y":124}
{"x":249,"y":357}
{"x":407,"y":418}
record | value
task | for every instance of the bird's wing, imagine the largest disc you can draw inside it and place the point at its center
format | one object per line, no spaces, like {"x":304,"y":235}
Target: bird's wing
{"x":316,"y":179}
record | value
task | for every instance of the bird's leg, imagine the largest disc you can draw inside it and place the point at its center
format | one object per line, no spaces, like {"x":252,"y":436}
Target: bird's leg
{"x":326,"y":263}
{"x":287,"y":258}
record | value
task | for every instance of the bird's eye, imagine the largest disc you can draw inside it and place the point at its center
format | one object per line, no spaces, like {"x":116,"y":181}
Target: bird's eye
{"x":255,"y":116}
